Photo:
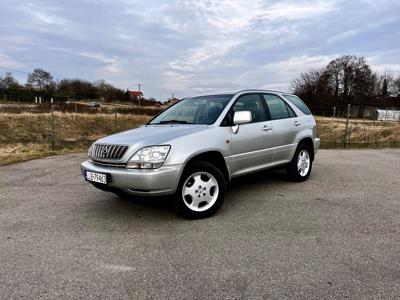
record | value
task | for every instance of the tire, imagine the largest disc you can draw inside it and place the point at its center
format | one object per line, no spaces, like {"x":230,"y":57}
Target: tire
{"x":201,"y":191}
{"x":300,"y":167}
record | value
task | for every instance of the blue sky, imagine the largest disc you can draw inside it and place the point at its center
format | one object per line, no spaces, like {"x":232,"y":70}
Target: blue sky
{"x":195,"y":47}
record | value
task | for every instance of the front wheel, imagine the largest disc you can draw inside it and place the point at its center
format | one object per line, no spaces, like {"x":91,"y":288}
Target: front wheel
{"x":300,"y":167}
{"x":201,"y":191}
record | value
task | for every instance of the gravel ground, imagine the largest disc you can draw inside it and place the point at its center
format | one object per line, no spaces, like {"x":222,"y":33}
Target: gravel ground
{"x":335,"y":236}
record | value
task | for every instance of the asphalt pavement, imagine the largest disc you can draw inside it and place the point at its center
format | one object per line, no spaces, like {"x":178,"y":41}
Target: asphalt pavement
{"x":335,"y":236}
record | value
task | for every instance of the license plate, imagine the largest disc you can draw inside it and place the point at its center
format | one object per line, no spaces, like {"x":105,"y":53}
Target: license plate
{"x":96,"y":177}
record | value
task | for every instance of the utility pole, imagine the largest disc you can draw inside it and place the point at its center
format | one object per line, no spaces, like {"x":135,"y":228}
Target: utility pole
{"x":139,"y":84}
{"x":346,"y":131}
{"x":53,"y":137}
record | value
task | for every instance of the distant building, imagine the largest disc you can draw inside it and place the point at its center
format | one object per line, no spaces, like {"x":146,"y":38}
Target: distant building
{"x":388,"y":115}
{"x":135,"y":95}
{"x":172,"y":101}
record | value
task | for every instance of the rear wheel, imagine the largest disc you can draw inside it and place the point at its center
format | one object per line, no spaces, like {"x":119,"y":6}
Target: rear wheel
{"x":201,"y":191}
{"x":301,"y":165}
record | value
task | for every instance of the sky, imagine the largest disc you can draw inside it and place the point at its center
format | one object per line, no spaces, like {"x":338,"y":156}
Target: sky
{"x":194,"y":47}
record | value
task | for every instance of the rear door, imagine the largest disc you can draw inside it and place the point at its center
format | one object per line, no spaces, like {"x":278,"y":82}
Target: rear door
{"x":285,"y":124}
{"x":252,"y":144}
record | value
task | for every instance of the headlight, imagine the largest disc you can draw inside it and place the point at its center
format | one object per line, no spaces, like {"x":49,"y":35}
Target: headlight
{"x":149,"y":157}
{"x":89,"y":153}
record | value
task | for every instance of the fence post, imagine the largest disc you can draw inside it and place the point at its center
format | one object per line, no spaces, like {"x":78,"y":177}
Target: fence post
{"x":334,"y":111}
{"x":115,"y":119}
{"x":52,"y":126}
{"x":346,"y":131}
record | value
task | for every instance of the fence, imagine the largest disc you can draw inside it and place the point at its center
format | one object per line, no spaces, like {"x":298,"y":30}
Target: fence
{"x":72,"y":107}
{"x":344,"y":131}
{"x":58,"y":129}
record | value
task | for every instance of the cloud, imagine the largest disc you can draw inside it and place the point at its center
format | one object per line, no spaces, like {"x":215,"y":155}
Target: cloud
{"x":47,"y":19}
{"x":342,"y":35}
{"x":278,"y":74}
{"x":385,"y":61}
{"x":298,"y":10}
{"x":7,"y":62}
{"x":107,"y":64}
{"x":231,"y":25}
{"x":201,"y":46}
{"x":110,"y":64}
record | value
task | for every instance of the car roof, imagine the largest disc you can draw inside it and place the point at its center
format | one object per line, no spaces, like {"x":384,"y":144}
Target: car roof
{"x":262,"y":91}
{"x":243,"y":91}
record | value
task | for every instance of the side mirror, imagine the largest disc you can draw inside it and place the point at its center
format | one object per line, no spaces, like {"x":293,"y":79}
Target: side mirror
{"x":241,"y":117}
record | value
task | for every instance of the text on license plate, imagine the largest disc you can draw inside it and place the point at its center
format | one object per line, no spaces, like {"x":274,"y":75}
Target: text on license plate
{"x":96,"y":177}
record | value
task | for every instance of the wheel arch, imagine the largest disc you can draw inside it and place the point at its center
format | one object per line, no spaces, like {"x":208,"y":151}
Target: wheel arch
{"x":309,"y":143}
{"x":214,"y":157}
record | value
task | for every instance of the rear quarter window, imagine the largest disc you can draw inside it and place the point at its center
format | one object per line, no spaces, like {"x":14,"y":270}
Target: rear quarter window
{"x":296,"y":101}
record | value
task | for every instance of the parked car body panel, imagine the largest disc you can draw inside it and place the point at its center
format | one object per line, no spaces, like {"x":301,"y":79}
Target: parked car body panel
{"x":255,"y":146}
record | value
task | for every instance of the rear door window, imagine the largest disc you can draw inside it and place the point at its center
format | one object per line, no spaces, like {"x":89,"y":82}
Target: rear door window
{"x":296,"y":101}
{"x":278,"y":108}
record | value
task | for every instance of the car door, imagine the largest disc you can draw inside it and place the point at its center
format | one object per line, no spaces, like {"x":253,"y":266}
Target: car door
{"x":285,"y":124}
{"x":251,"y":146}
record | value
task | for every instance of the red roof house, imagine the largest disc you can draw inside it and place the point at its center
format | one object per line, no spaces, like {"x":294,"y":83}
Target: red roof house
{"x":136,"y":94}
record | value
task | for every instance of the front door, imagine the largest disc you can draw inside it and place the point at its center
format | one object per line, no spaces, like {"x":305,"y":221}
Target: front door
{"x":252,"y":144}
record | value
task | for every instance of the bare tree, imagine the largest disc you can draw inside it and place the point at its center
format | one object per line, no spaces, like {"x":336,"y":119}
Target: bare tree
{"x":386,"y":84}
{"x":107,"y":92}
{"x":77,"y":89}
{"x":311,"y":85}
{"x":9,"y":82}
{"x":396,"y":87}
{"x":350,"y":78}
{"x":40,"y":79}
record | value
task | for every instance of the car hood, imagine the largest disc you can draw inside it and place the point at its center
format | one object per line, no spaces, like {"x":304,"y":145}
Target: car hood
{"x":149,"y":135}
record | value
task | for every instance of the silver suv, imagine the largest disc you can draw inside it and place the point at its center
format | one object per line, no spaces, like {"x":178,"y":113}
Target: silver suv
{"x":196,"y":146}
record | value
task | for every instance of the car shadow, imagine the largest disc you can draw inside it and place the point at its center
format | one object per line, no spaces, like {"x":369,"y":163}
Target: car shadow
{"x":258,"y":179}
{"x":162,"y":207}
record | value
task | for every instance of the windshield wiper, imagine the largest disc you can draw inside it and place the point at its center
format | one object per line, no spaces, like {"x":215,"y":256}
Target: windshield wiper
{"x":174,"y":122}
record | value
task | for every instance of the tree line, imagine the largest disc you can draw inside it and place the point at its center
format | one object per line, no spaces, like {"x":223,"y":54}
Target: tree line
{"x":347,"y":80}
{"x":41,"y":82}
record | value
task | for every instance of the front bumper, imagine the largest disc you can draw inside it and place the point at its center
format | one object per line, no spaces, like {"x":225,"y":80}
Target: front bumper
{"x":317,"y":142}
{"x":144,"y":182}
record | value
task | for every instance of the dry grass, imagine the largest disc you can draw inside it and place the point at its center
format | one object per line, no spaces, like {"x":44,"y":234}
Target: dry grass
{"x":13,"y":153}
{"x":360,"y":132}
{"x":25,"y":127}
{"x":26,"y":136}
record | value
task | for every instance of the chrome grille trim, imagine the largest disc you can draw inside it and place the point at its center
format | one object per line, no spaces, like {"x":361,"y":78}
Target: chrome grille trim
{"x":108,"y":164}
{"x":109,"y":152}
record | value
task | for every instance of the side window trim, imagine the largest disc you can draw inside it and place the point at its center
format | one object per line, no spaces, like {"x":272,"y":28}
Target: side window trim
{"x":284,"y":101}
{"x":290,"y":109}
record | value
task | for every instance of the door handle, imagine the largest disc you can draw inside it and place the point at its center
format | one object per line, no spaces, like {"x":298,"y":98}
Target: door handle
{"x":266,"y":128}
{"x":296,"y":123}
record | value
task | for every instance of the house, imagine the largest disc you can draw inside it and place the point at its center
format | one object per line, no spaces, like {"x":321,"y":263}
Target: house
{"x":172,"y":101}
{"x":136,"y":95}
{"x":388,"y":115}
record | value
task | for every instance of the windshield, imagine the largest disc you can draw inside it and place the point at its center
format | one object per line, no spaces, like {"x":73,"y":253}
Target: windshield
{"x":197,"y":110}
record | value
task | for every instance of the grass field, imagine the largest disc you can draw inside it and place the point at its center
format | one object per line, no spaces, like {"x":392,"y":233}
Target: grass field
{"x":362,"y":133}
{"x":26,"y":136}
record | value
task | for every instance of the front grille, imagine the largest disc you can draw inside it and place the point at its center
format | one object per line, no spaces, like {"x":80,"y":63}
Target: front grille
{"x":114,"y":152}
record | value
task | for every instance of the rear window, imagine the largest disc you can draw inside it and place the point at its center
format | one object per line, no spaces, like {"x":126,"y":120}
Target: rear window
{"x":298,"y":103}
